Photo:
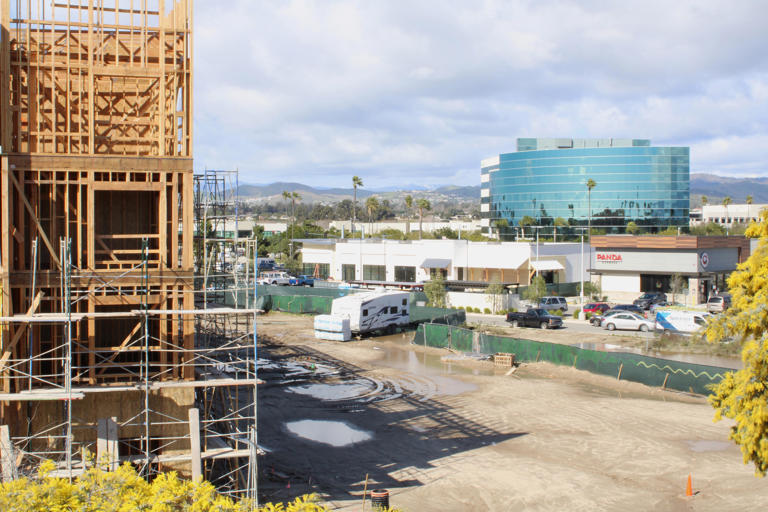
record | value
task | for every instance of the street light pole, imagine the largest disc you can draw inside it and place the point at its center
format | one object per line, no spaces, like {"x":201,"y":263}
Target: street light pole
{"x":582,"y":316}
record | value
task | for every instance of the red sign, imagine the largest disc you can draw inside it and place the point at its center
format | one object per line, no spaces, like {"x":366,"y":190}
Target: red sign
{"x":609,"y":257}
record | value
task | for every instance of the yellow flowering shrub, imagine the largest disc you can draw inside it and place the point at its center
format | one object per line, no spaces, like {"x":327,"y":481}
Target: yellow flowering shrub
{"x":124,"y":490}
{"x":743,"y":395}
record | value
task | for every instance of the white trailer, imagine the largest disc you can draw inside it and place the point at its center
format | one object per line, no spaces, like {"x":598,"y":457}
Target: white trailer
{"x":671,"y":321}
{"x":373,"y":311}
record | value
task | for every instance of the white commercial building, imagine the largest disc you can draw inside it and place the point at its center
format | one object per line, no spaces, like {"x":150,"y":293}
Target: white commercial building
{"x":458,"y":260}
{"x":727,"y":215}
{"x":626,"y":266}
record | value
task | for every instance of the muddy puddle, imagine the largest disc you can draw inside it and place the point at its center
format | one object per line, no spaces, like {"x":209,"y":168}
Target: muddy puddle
{"x":333,"y":433}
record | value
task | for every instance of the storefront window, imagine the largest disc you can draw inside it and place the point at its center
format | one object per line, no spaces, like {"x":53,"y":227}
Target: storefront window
{"x":319,"y":270}
{"x":405,"y":274}
{"x":374,"y":273}
{"x":347,"y":272}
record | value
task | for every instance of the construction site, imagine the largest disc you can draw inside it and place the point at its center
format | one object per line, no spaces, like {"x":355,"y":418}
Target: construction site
{"x":115,"y":342}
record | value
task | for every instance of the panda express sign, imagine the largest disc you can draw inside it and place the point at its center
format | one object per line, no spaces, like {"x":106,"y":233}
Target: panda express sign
{"x":609,"y":257}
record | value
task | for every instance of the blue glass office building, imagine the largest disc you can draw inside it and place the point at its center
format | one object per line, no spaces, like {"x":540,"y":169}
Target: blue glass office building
{"x":546,"y":180}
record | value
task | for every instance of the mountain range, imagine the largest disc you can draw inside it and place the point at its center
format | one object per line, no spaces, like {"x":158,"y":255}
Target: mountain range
{"x":714,"y":187}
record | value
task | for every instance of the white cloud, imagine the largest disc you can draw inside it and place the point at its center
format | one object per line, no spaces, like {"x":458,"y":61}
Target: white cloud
{"x":316,"y":91}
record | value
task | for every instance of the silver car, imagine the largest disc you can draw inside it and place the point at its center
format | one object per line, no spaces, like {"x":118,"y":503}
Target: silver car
{"x":627,"y":322}
{"x":718,"y":303}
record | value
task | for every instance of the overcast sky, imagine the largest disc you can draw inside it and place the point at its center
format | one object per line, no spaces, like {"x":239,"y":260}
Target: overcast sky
{"x":418,"y":92}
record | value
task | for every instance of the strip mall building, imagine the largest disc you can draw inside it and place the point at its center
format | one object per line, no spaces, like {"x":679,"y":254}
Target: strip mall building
{"x":625,"y":266}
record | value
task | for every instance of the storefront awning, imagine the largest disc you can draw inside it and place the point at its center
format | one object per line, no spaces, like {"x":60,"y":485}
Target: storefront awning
{"x":436,"y":263}
{"x":541,"y":265}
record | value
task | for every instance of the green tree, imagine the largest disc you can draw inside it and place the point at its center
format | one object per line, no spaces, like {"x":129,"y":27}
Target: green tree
{"x":356,"y":182}
{"x":749,"y":199}
{"x":392,"y":234}
{"x":445,"y":232}
{"x":495,"y":293}
{"x":742,"y":395}
{"x":536,"y":290}
{"x":476,"y":236}
{"x":704,"y":200}
{"x":262,"y":243}
{"x":592,"y":290}
{"x":676,"y":286}
{"x":435,"y":291}
{"x":668,"y":231}
{"x":632,"y":228}
{"x":422,"y":204}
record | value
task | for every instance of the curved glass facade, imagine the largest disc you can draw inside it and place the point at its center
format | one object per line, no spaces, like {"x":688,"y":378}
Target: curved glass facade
{"x":644,"y":184}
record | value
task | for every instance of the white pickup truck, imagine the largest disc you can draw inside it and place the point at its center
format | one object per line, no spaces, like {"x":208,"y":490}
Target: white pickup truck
{"x":278,"y":278}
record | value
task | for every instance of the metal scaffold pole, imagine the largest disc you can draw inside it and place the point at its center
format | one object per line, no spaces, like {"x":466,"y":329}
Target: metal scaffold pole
{"x":145,"y":309}
{"x":66,"y":269}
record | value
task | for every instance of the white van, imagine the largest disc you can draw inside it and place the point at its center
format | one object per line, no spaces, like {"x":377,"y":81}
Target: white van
{"x":671,"y":321}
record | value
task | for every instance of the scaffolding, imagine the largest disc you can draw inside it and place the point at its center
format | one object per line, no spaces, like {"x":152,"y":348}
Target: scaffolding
{"x":105,"y":347}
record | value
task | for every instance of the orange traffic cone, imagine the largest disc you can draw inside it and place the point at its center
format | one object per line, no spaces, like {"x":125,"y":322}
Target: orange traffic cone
{"x":689,"y":487}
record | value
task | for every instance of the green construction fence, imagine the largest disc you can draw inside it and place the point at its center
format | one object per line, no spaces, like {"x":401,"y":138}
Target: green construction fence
{"x":652,"y":371}
{"x":318,"y":301}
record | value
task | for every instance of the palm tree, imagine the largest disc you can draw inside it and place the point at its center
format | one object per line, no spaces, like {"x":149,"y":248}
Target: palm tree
{"x":293,"y":197}
{"x":422,"y":204}
{"x":590,"y":185}
{"x":372,"y":205}
{"x":356,"y":182}
{"x":704,"y":200}
{"x":408,"y":206}
{"x":749,"y":199}
{"x":726,"y":202}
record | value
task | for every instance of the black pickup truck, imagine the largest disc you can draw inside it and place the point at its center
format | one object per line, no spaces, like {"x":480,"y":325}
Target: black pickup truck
{"x":536,"y":317}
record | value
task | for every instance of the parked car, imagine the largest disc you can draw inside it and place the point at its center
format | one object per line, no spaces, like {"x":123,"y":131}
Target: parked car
{"x":596,"y":308}
{"x":277,"y":278}
{"x":553,"y":303}
{"x":648,"y":298}
{"x":303,"y":280}
{"x":718,"y":303}
{"x":630,"y":307}
{"x":598,"y":319}
{"x":627,"y":321}
{"x":535,"y":317}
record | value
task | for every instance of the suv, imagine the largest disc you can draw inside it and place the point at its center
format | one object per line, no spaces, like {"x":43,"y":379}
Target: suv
{"x":553,"y":304}
{"x":718,"y":303}
{"x":279,"y":278}
{"x":646,"y":300}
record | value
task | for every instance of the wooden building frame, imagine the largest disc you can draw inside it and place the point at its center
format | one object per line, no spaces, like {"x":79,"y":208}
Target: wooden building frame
{"x":96,"y":227}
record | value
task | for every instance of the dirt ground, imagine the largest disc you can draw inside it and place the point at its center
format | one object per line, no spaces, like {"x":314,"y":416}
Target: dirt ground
{"x":454,"y":435}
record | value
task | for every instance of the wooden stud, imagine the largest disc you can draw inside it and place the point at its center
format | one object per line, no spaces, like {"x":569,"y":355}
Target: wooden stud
{"x":7,"y":455}
{"x":194,"y":443}
{"x":621,"y":367}
{"x":107,"y":443}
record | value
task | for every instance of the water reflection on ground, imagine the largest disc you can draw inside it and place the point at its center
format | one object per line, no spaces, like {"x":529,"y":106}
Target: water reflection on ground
{"x":334,"y":433}
{"x":705,"y":359}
